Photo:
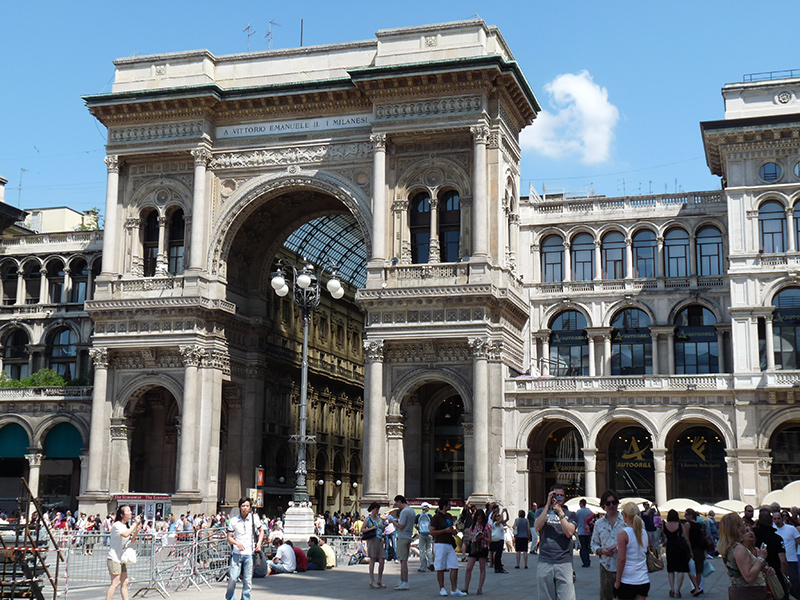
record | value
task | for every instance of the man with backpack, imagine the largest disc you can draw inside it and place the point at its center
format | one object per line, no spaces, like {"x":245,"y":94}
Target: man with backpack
{"x":423,"y":523}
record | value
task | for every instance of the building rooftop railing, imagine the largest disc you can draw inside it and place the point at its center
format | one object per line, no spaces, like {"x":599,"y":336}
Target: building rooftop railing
{"x":770,"y":75}
{"x":565,"y":204}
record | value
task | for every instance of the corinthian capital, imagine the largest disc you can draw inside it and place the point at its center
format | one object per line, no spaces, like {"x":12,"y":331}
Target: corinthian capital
{"x":479,"y":347}
{"x":99,"y":357}
{"x":202,"y":156}
{"x":379,"y":140}
{"x":373,"y":350}
{"x":480,"y":133}
{"x":112,"y":163}
{"x":192,"y":356}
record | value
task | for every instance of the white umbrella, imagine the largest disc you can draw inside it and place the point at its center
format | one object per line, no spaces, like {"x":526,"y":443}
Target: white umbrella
{"x":637,"y":501}
{"x":718,"y":510}
{"x":574,"y":504}
{"x":679,"y":504}
{"x":736,"y":506}
{"x":787,"y":497}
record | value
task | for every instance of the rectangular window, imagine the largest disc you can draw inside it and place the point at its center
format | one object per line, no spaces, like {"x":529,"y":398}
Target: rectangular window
{"x":449,"y":246}
{"x":420,"y":246}
{"x":150,"y":254}
{"x":176,"y":259}
{"x":582,"y":265}
{"x":645,"y":261}
{"x":552,"y":267}
{"x":613,"y":261}
{"x":710,"y":259}
{"x":677,"y":259}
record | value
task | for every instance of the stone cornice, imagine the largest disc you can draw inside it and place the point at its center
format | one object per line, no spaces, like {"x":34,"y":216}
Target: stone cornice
{"x":96,"y":307}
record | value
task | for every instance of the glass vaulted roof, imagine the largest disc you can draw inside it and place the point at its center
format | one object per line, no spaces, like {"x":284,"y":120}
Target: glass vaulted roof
{"x":333,"y":239}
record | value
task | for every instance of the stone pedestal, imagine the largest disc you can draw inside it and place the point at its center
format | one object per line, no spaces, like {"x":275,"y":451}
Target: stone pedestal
{"x":299,"y":523}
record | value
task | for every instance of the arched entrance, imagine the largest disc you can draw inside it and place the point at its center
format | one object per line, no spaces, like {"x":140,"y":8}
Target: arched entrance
{"x":555,"y":456}
{"x":697,"y":463}
{"x":153,"y":421}
{"x":628,"y":460}
{"x":433,"y":442}
{"x":785,"y":445}
{"x":59,"y":482}
{"x":14,"y":445}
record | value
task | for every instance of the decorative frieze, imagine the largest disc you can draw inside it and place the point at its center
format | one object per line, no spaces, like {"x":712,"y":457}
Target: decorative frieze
{"x":428,"y":108}
{"x":155,"y":132}
{"x":298,"y":155}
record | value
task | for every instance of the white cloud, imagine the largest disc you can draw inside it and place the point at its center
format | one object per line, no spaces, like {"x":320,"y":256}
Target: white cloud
{"x":582,"y":124}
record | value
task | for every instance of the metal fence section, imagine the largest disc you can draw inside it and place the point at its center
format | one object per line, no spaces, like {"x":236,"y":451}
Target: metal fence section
{"x":166,"y":562}
{"x":344,"y":547}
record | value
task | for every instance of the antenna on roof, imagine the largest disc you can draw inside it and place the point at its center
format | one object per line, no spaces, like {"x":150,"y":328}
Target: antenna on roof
{"x":301,"y":33}
{"x":250,"y":31}
{"x":269,"y":33}
{"x":19,"y":190}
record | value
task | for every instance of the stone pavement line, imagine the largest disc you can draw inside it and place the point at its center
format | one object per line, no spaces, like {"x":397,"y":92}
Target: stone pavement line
{"x":347,"y":583}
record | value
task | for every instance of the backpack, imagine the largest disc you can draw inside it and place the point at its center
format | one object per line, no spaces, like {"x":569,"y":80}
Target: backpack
{"x":424,"y":524}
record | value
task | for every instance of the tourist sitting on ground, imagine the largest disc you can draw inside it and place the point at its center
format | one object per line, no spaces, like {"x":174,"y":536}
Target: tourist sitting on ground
{"x":300,"y":558}
{"x":317,"y":561}
{"x":284,"y":561}
{"x":329,"y":553}
{"x":275,"y":533}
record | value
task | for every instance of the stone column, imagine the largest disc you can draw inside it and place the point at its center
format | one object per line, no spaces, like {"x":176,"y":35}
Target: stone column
{"x":480,"y":208}
{"x":120,"y":455}
{"x":397,"y":464}
{"x":660,"y":467}
{"x":692,"y":256}
{"x":134,"y":245}
{"x":197,"y":249}
{"x":434,"y":255}
{"x":671,"y":352}
{"x":84,"y":474}
{"x":654,"y":351}
{"x":378,"y":196}
{"x":790,"y":229}
{"x":536,"y":263}
{"x":99,"y":424}
{"x":660,"y":266}
{"x":590,"y":464}
{"x":629,"y":270}
{"x":592,"y":356}
{"x":567,"y":262}
{"x":188,"y":451}
{"x":607,"y":353}
{"x":480,"y":419}
{"x":162,"y":260}
{"x":770,"y":346}
{"x":402,"y":250}
{"x":469,"y":442}
{"x":34,"y":466}
{"x":546,"y":355}
{"x":66,"y":292}
{"x":110,"y":232}
{"x":20,"y":299}
{"x":44,"y":291}
{"x":598,"y":260}
{"x":374,"y":443}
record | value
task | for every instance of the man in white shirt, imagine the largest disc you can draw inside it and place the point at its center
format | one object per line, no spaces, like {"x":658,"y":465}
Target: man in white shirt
{"x":790,"y":535}
{"x":240,"y":536}
{"x":284,"y":561}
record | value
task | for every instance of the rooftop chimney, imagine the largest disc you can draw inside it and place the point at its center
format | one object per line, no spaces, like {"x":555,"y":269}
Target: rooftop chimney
{"x":3,"y":182}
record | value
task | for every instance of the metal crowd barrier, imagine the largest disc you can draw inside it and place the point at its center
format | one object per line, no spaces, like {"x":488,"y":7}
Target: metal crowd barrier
{"x":166,"y":562}
{"x":344,"y":546}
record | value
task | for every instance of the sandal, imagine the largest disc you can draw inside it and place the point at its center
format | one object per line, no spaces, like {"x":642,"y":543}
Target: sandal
{"x":678,"y":595}
{"x":672,"y":593}
{"x":382,"y":585}
{"x":480,"y":592}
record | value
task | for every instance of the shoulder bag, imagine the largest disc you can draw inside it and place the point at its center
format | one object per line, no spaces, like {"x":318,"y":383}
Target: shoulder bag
{"x":653,"y":559}
{"x":128,"y":556}
{"x":259,"y":560}
{"x":777,"y":584}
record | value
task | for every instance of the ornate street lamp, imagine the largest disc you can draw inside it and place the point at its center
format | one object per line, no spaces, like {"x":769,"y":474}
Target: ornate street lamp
{"x":306,"y":295}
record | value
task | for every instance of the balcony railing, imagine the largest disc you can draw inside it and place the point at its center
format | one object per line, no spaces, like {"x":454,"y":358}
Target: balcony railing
{"x":564,"y":205}
{"x":612,"y":285}
{"x":46,"y":393}
{"x":621,"y":383}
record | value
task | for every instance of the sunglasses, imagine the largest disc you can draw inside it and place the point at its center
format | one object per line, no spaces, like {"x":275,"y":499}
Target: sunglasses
{"x":612,"y":502}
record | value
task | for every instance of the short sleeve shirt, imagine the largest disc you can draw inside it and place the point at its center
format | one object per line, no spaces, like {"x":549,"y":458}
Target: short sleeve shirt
{"x":554,"y":546}
{"x":407,"y":516}
{"x":317,"y":556}
{"x":243,"y":532}
{"x":117,"y":543}
{"x":441,"y":521}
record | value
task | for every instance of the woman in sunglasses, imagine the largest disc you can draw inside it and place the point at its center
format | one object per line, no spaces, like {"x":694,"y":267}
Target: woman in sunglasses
{"x":604,"y":543}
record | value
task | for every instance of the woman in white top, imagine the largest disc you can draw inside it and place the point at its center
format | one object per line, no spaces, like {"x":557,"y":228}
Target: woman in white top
{"x":633,"y":581}
{"x":120,"y":538}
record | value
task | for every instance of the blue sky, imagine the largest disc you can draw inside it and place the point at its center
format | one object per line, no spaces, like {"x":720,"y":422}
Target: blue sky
{"x":624,"y":84}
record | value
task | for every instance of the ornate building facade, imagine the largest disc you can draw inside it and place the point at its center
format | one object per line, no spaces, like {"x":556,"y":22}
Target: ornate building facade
{"x":490,"y":344}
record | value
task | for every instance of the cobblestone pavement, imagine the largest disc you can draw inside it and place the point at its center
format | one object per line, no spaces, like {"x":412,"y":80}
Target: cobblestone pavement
{"x":353,"y":582}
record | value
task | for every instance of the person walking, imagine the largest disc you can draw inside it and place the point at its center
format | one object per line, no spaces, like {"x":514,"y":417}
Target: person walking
{"x":498,"y":520}
{"x":676,"y":536}
{"x":633,"y":581}
{"x":790,"y":537}
{"x":463,"y":524}
{"x":556,"y":526}
{"x":531,"y":520}
{"x":480,"y":536}
{"x":404,"y":523}
{"x":584,"y":535}
{"x":766,"y":535}
{"x":240,"y":536}
{"x":423,"y":522}
{"x":372,"y":534}
{"x":745,"y":570}
{"x":604,"y":543}
{"x":522,"y":536}
{"x":443,"y":530}
{"x":121,"y":537}
{"x":698,"y":547}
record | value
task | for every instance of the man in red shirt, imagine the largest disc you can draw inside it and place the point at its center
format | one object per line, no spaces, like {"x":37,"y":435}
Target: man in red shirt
{"x":300,"y":557}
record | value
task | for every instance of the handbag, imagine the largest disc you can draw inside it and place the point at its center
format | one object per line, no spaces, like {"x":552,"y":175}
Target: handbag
{"x":708,"y":569}
{"x":777,"y":584}
{"x":653,"y":559}
{"x":128,"y":557}
{"x":259,"y":560}
{"x":368,"y":535}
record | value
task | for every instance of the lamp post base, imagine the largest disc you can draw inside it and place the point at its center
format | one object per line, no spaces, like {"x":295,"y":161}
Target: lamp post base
{"x":299,"y":523}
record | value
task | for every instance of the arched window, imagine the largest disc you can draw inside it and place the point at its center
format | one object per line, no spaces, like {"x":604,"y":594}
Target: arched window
{"x":55,"y":279}
{"x":709,"y":252}
{"x":569,"y":345}
{"x":696,"y":348}
{"x":582,"y":250}
{"x":631,"y":344}
{"x":79,"y":272}
{"x":772,"y":227}
{"x":644,"y":254}
{"x":613,"y":251}
{"x":150,"y":243}
{"x":420,"y":226}
{"x":177,"y":230}
{"x":552,"y":259}
{"x":9,"y":273}
{"x":15,"y":357}
{"x":676,"y":253}
{"x":786,"y":328}
{"x":32,"y":278}
{"x":449,"y":226}
{"x":62,"y":353}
